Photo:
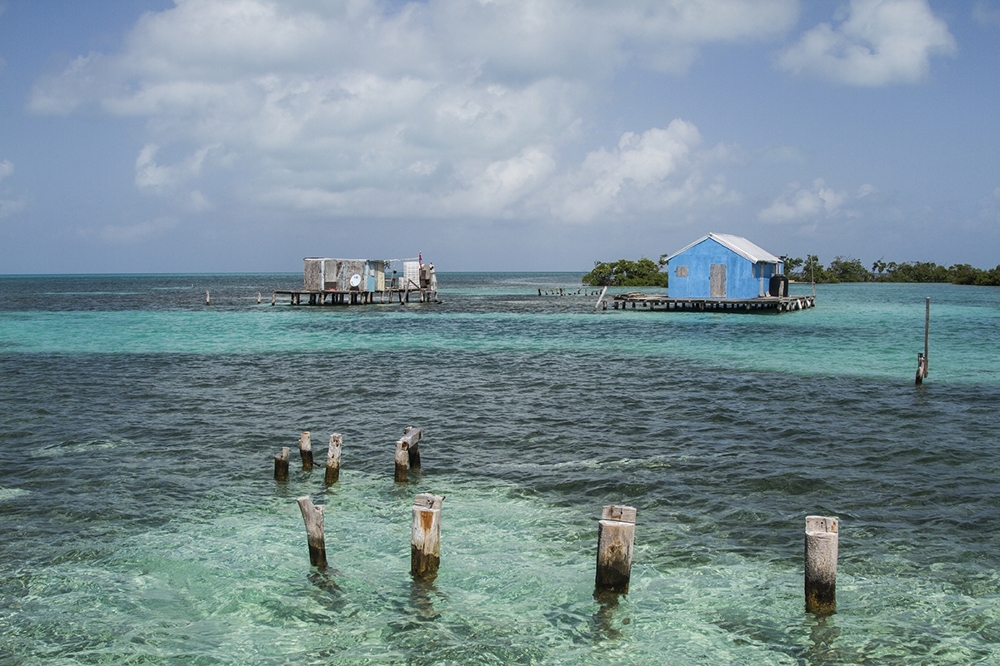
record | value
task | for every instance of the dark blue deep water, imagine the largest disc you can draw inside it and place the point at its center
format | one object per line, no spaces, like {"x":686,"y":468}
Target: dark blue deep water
{"x":140,"y":523}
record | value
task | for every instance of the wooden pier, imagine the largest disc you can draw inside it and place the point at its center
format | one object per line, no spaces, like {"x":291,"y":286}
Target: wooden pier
{"x":354,"y":297}
{"x":761,"y":305}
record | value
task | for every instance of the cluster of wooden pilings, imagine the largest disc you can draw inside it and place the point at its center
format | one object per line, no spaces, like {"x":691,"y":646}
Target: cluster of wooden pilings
{"x":562,"y":291}
{"x":615,"y":529}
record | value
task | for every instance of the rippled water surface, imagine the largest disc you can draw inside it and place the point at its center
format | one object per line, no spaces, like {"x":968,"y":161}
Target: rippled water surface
{"x":140,"y":523}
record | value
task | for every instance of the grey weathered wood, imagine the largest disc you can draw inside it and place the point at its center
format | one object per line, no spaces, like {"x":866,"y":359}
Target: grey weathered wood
{"x":313,"y":517}
{"x":305,"y":450}
{"x":413,"y":435}
{"x":615,"y":540}
{"x":208,"y":299}
{"x":921,"y":369}
{"x":425,"y":536}
{"x":927,"y":335}
{"x":281,"y":465}
{"x":821,"y":564}
{"x":258,"y":298}
{"x":333,"y":459}
{"x":601,"y":298}
{"x":407,"y":453}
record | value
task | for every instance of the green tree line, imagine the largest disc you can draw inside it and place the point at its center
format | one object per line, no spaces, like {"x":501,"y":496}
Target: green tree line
{"x":647,"y":273}
{"x":627,"y":273}
{"x":852,"y":270}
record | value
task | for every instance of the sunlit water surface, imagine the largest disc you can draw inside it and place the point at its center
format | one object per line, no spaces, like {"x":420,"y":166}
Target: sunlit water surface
{"x":140,"y":523}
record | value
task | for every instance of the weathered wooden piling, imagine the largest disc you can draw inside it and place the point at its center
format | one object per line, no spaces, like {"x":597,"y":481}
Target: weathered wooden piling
{"x":313,"y":517}
{"x":333,"y":459}
{"x":600,"y":299}
{"x":258,"y":298}
{"x":281,"y":465}
{"x":305,"y":450}
{"x":413,"y":435}
{"x":821,"y":564}
{"x":927,"y":336}
{"x":208,"y":299}
{"x":615,"y":538}
{"x":425,"y":537}
{"x":407,"y":452}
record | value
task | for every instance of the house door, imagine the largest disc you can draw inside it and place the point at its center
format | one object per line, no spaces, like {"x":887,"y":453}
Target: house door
{"x":717,"y":281}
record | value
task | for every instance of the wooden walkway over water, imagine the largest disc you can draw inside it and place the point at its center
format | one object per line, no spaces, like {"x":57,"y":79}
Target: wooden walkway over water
{"x":354,"y":297}
{"x":761,"y":305}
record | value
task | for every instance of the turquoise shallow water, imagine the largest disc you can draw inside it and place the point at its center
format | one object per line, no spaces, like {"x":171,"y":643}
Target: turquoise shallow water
{"x":141,"y":524}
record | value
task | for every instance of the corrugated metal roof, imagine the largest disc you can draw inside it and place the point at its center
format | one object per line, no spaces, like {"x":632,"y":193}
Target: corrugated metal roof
{"x":737,"y":244}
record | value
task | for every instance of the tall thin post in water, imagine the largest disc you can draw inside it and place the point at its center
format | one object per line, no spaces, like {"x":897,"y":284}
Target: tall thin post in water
{"x":821,"y":564}
{"x":927,"y":335}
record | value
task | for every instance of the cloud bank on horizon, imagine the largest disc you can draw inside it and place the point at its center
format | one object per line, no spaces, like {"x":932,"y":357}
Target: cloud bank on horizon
{"x":462,"y":112}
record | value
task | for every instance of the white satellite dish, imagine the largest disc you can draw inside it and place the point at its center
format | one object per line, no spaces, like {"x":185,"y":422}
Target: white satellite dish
{"x":355,"y":280}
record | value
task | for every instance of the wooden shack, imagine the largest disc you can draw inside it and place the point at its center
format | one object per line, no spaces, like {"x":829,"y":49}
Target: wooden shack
{"x":360,"y":281}
{"x":724,"y":266}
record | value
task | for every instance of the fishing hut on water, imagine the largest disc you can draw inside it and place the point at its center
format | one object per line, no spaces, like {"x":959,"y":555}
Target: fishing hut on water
{"x":329,"y":281}
{"x":722,"y":272}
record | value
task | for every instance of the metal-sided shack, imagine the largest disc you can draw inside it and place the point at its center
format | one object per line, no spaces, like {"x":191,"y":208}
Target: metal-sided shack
{"x":722,"y":272}
{"x":329,"y":281}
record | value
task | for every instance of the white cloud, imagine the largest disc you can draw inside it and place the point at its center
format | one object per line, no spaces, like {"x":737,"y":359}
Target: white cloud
{"x":9,"y":206}
{"x":653,"y":171}
{"x":986,"y":13}
{"x":799,"y":203}
{"x":879,"y":43}
{"x":446,"y":108}
{"x":866,"y":190}
{"x":148,"y":174}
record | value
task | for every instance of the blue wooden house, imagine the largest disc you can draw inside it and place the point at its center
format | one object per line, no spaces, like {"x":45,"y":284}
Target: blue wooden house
{"x":722,"y":266}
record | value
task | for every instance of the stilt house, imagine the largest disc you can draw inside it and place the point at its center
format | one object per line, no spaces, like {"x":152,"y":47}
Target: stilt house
{"x":725,"y":266}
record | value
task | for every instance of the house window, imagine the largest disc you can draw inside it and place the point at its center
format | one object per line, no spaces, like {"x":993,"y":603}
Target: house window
{"x":681,"y":271}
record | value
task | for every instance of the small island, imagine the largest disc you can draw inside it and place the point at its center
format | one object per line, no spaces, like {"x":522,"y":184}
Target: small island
{"x":627,"y":273}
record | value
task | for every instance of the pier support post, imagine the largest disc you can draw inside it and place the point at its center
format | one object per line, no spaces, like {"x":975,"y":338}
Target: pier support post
{"x":208,"y":299}
{"x":413,"y":436}
{"x":407,"y":452}
{"x":313,"y":517}
{"x":615,"y":538}
{"x":927,"y":335}
{"x":425,"y":537}
{"x":821,"y":564}
{"x":333,"y":459}
{"x":305,"y":450}
{"x":281,"y":465}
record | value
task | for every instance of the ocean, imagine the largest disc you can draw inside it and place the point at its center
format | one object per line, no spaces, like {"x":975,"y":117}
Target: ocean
{"x":140,"y":522}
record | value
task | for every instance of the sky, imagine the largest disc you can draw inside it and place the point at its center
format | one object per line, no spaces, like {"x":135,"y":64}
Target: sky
{"x":209,"y":136}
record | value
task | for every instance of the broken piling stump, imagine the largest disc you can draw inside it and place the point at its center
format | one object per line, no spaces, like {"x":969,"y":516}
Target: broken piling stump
{"x":281,"y":465}
{"x":425,"y":536}
{"x":615,"y":539}
{"x":333,"y":459}
{"x":821,"y":564}
{"x":407,"y":453}
{"x":305,"y":450}
{"x":313,"y":517}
